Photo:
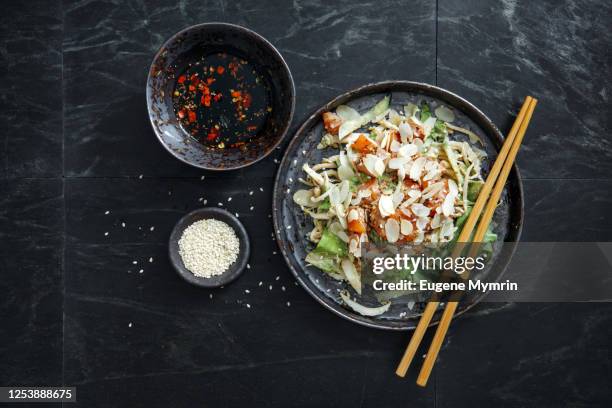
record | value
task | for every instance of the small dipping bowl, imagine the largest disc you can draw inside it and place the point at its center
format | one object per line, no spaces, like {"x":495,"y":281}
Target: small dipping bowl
{"x":234,"y":269}
{"x":186,"y":48}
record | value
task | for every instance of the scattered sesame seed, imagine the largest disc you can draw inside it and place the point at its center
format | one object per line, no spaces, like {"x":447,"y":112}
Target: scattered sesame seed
{"x":261,"y":189}
{"x":107,"y":212}
{"x":288,"y":190}
{"x":210,"y":296}
{"x":248,"y":266}
{"x":290,"y":180}
{"x":140,"y":177}
{"x":237,"y":215}
{"x":151,"y":260}
{"x":202,"y":178}
{"x":277,"y":277}
{"x":229,"y":199}
{"x":270,"y":287}
{"x":260,"y":283}
{"x":141,"y":271}
{"x":273,"y":252}
{"x":294,"y":162}
{"x":288,"y":226}
{"x":152,"y":228}
{"x":251,"y":208}
{"x":275,"y":160}
{"x":201,"y":199}
{"x":135,"y":262}
{"x":130,"y":324}
{"x":106,"y":234}
{"x":250,"y":193}
{"x":247,"y":291}
{"x":248,"y":306}
{"x":205,"y":202}
{"x":123,"y":224}
{"x":288,"y":304}
{"x":283,"y":288}
{"x":304,"y":152}
{"x":220,"y":204}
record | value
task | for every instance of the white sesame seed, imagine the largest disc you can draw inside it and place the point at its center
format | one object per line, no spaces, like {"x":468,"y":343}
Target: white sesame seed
{"x":288,"y":190}
{"x":288,"y":226}
{"x":202,"y":178}
{"x":130,"y":324}
{"x":229,"y":199}
{"x":248,"y":306}
{"x":208,"y":247}
{"x":210,"y":296}
{"x":123,"y":224}
{"x":247,"y":291}
{"x":135,"y":262}
{"x":277,"y":278}
{"x":220,"y":204}
{"x":205,"y":202}
{"x":201,"y":199}
{"x":141,"y":271}
{"x":250,"y":193}
{"x":260,"y":283}
{"x":261,"y":189}
{"x":151,"y":260}
{"x":106,"y":234}
{"x":106,"y":212}
{"x":283,"y":288}
{"x":273,"y":252}
{"x":275,"y":160}
{"x":140,"y":177}
{"x":248,"y":266}
{"x":251,"y":208}
{"x":270,"y":287}
{"x":304,"y":152}
{"x":288,"y":304}
{"x":152,"y":228}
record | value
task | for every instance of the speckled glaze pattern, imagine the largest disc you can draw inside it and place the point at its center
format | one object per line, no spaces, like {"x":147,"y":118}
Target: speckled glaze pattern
{"x":292,"y":225}
{"x":177,"y":52}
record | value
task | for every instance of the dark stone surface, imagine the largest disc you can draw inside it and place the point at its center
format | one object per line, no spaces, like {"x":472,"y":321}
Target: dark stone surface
{"x":496,"y":53}
{"x":31,"y":239}
{"x":31,"y":89}
{"x":148,"y":339}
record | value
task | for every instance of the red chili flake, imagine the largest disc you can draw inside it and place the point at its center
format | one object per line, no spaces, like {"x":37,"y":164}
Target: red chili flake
{"x":205,"y":100}
{"x":217,"y":97}
{"x":220,"y":70}
{"x":181,"y":79}
{"x":235,"y":94}
{"x":210,"y":80}
{"x":192,"y":116}
{"x":213,"y":134}
{"x":246,"y":100}
{"x":251,"y":127}
{"x":192,"y":88}
{"x":181,"y":114}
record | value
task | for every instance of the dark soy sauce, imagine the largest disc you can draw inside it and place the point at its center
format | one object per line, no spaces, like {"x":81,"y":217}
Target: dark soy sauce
{"x":221,"y":100}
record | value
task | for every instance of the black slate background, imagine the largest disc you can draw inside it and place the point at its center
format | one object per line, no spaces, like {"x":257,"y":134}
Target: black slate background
{"x":76,"y":143}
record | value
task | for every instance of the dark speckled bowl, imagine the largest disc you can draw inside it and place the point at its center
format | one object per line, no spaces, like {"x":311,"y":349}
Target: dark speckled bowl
{"x":234,"y":269}
{"x":183,"y":48}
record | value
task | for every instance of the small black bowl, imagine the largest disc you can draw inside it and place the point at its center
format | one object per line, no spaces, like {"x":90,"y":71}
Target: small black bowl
{"x":186,"y":47}
{"x":234,"y":269}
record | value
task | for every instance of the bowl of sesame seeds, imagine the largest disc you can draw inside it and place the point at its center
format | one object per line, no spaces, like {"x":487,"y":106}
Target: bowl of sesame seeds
{"x":209,"y":247}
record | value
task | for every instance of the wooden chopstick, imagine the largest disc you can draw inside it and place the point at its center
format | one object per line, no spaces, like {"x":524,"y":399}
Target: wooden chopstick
{"x":483,"y":225}
{"x":464,"y":236}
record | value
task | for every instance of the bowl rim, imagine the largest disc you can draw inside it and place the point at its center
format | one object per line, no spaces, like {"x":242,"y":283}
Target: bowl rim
{"x":274,"y":51}
{"x":314,"y":115}
{"x":241,"y":261}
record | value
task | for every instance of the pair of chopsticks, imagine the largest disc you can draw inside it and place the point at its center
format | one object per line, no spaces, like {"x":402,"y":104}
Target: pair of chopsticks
{"x":489,"y":196}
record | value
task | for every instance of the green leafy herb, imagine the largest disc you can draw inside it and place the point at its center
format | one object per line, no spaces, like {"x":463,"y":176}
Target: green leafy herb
{"x":439,"y":132}
{"x":425,"y":112}
{"x":474,"y":189}
{"x":325,"y":205}
{"x":331,"y":244}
